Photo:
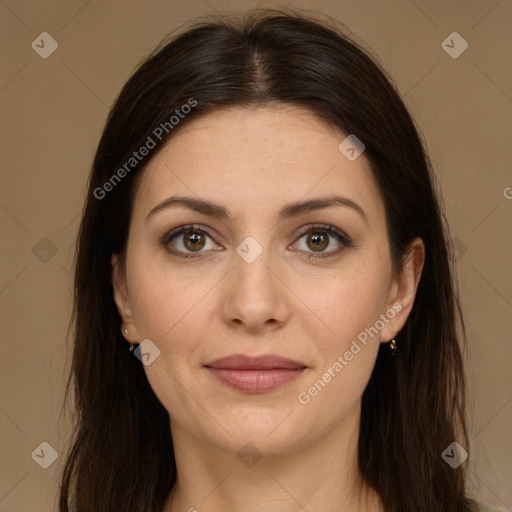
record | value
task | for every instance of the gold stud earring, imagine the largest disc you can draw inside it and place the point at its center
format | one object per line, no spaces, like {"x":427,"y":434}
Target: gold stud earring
{"x":392,"y":346}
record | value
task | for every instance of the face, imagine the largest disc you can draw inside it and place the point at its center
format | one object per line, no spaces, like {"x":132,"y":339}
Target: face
{"x":258,"y":272}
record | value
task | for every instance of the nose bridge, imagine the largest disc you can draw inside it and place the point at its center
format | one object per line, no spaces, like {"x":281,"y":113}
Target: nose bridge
{"x":252,"y":262}
{"x":254,"y":295}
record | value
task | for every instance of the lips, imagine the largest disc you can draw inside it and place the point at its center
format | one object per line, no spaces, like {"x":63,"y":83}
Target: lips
{"x":266,"y":362}
{"x":255,"y":374}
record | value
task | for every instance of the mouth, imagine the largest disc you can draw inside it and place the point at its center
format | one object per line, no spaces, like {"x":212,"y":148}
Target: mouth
{"x":255,"y":374}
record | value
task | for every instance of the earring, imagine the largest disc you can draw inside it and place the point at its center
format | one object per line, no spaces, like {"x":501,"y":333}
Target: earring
{"x":392,"y":346}
{"x":129,"y":343}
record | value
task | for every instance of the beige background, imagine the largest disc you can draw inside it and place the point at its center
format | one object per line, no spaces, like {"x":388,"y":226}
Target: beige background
{"x":53,"y":111}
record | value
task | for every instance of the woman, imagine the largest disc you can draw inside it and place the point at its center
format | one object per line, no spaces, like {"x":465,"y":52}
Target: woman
{"x":262,"y":223}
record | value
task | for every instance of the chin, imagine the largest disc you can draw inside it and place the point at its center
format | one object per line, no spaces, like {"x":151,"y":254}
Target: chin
{"x":263,"y":429}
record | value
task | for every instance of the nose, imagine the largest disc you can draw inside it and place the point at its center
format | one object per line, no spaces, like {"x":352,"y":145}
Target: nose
{"x":256,"y":297}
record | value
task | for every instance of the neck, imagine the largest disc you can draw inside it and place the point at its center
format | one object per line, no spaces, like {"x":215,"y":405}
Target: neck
{"x":319,"y":476}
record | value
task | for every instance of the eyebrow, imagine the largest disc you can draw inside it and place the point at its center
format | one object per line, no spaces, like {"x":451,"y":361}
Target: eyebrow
{"x":289,"y":211}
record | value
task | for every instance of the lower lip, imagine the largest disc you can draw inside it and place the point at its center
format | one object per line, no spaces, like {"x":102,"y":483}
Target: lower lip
{"x":255,"y":381}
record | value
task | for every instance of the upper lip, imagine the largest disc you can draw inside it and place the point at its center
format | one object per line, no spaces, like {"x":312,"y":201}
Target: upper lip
{"x":264,"y":362}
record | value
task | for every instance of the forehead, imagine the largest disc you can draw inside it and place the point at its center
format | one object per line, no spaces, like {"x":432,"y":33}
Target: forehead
{"x":254,"y":158}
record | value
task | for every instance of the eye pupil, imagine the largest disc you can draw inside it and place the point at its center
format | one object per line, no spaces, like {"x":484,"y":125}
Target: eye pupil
{"x":320,"y":241}
{"x":194,"y":238}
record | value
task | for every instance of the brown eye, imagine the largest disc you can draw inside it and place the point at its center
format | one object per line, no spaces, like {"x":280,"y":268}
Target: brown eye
{"x":193,"y":240}
{"x":317,"y":240}
{"x":187,"y":240}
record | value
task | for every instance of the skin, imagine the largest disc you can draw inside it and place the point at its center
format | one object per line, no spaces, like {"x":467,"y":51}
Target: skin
{"x":254,"y":162}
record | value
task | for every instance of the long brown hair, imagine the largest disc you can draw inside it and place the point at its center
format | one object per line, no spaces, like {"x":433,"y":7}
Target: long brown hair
{"x":121,"y":456}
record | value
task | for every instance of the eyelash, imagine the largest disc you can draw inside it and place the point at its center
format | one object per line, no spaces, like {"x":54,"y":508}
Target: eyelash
{"x":342,"y":237}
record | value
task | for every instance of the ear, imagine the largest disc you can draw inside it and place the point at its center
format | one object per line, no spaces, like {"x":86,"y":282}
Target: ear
{"x":403,"y":290}
{"x":122,"y":300}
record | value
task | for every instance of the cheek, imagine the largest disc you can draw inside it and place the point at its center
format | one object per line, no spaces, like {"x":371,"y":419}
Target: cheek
{"x":346,"y":353}
{"x":163,"y":301}
{"x":348,"y":302}
{"x":171,"y":313}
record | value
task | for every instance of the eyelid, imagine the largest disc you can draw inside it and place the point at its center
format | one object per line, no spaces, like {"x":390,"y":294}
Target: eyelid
{"x":165,"y":240}
{"x":324,"y":227}
{"x":342,"y":237}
